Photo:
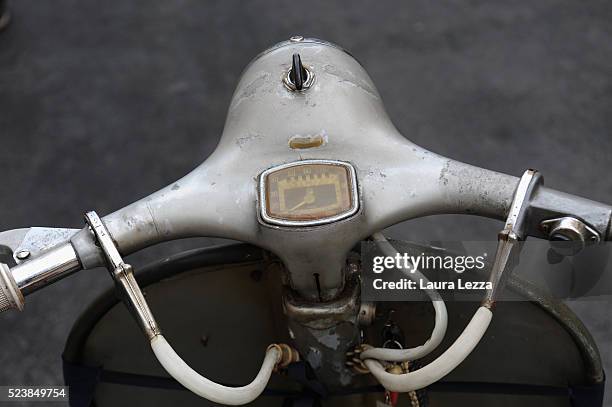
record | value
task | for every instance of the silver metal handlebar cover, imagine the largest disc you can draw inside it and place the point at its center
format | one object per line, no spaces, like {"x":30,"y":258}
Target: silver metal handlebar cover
{"x":397,"y":180}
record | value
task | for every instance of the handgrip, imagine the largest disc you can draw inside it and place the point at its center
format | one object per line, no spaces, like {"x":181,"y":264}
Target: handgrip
{"x":10,"y":294}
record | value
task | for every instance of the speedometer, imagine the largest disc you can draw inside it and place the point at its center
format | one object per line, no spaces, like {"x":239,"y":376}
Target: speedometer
{"x":308,"y":192}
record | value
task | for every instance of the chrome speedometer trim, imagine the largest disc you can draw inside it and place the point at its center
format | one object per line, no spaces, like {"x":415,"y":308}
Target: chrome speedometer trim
{"x":265,"y":217}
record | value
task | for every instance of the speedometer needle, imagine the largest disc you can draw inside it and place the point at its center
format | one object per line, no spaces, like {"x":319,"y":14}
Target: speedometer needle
{"x":309,"y":198}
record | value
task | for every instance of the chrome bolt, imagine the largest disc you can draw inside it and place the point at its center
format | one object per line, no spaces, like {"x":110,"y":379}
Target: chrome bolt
{"x":569,"y":235}
{"x":296,"y":38}
{"x":23,"y":254}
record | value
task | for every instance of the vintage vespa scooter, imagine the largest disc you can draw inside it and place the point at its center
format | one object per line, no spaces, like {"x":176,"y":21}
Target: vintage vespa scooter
{"x":309,"y":165}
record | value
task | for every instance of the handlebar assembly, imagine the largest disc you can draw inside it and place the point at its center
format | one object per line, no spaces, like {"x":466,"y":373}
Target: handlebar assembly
{"x":268,"y":132}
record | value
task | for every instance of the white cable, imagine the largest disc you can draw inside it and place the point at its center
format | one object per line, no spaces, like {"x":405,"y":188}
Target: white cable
{"x":401,"y":355}
{"x":208,"y":389}
{"x":440,"y":324}
{"x":443,"y":365}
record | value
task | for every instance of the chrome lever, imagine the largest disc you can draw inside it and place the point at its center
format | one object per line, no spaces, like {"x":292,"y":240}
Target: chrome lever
{"x":123,"y":275}
{"x":510,"y":237}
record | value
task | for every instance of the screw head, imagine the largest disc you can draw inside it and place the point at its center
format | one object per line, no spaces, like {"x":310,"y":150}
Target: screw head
{"x":23,"y":254}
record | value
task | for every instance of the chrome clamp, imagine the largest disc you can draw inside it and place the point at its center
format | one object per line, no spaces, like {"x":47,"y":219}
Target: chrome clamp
{"x":123,"y":275}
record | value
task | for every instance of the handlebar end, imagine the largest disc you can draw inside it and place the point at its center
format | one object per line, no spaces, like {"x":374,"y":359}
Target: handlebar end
{"x":10,"y":294}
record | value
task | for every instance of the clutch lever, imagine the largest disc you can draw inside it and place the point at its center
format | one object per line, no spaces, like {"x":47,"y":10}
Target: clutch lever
{"x":123,"y":275}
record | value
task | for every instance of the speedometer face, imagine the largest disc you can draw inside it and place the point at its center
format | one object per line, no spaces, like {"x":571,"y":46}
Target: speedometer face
{"x":308,"y":193}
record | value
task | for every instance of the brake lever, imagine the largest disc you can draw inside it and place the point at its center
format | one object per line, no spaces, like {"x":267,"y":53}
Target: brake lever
{"x":510,"y":237}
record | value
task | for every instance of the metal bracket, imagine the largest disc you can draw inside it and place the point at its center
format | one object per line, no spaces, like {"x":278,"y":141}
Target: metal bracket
{"x":123,"y":275}
{"x":509,"y":238}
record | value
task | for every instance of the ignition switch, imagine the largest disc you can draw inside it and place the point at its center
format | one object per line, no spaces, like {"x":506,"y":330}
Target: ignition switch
{"x":300,"y":77}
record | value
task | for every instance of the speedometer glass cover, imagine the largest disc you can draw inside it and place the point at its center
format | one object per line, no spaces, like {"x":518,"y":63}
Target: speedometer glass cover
{"x":308,"y":192}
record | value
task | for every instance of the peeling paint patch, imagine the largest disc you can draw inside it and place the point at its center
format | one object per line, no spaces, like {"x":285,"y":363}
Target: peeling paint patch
{"x":444,"y":173}
{"x":314,"y":357}
{"x":345,"y":377}
{"x":251,"y":89}
{"x":377,"y":173}
{"x":242,"y":141}
{"x":331,"y":340}
{"x":351,"y":79}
